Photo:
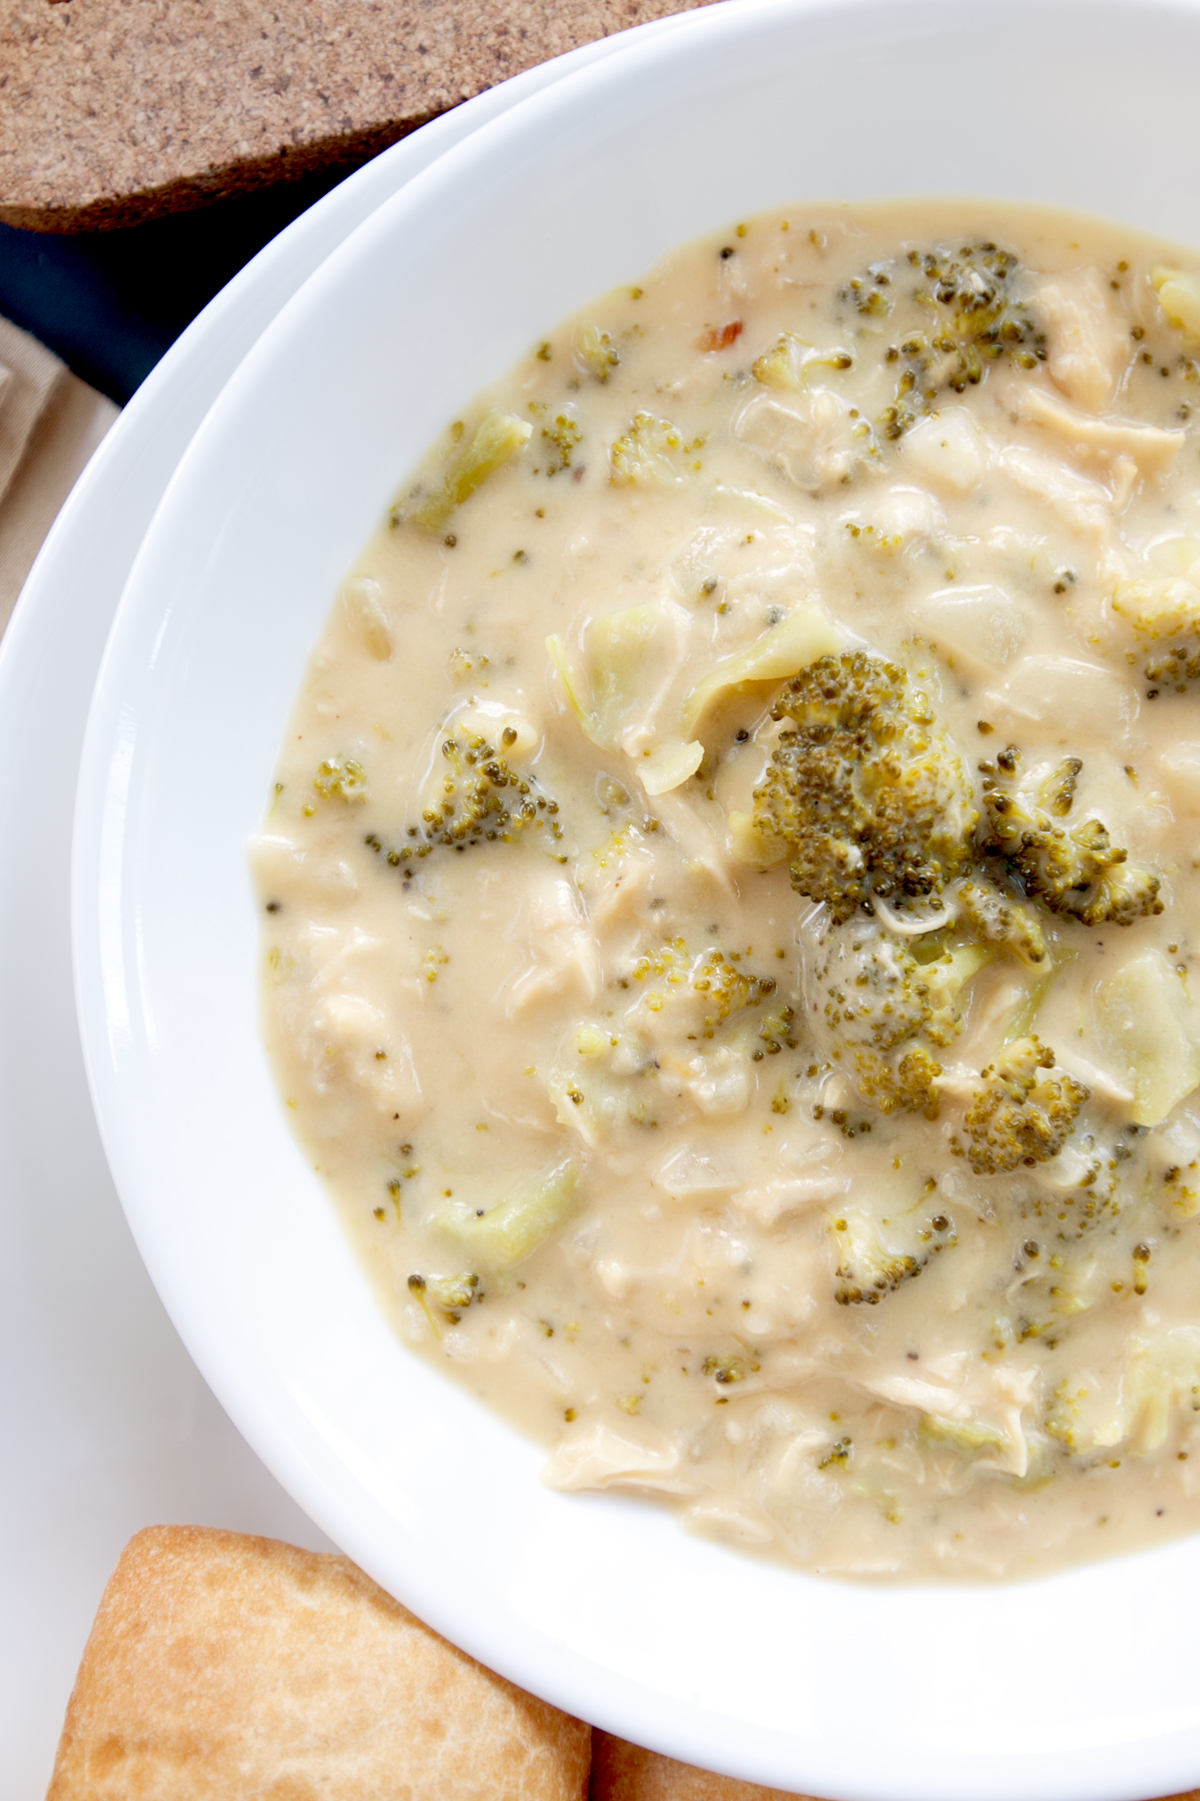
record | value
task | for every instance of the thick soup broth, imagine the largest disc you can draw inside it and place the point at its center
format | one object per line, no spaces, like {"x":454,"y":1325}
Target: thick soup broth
{"x":730,"y":899}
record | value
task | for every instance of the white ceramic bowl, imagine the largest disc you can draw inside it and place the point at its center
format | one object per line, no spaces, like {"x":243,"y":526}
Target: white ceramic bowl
{"x":1079,"y":1686}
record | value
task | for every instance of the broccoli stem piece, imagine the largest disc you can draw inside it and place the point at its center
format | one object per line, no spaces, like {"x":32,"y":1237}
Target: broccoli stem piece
{"x":531,"y":1213}
{"x":498,"y":437}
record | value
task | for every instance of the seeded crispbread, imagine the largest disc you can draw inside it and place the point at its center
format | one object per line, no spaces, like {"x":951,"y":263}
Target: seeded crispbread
{"x":119,"y":110}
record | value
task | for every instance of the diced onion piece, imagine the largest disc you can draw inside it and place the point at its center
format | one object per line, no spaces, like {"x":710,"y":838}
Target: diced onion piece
{"x":584,"y":714}
{"x":948,"y":450}
{"x":749,"y":500}
{"x":800,"y":638}
{"x":623,"y":650}
{"x":1150,"y":1029}
{"x":362,"y":604}
{"x":1178,"y":291}
{"x":633,"y":657}
{"x":751,"y":842}
{"x":668,"y":765}
{"x":1164,"y":1377}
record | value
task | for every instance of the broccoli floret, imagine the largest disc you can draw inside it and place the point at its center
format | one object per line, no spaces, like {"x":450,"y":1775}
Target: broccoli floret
{"x":1020,"y":1114}
{"x":1178,"y":291}
{"x":789,"y":364}
{"x":998,"y":919}
{"x":1164,"y":615}
{"x":869,"y":1269}
{"x":1073,"y":870}
{"x":883,"y":1007}
{"x":451,"y":1294}
{"x":561,"y":437}
{"x":341,"y":777}
{"x":595,"y":353}
{"x":482,"y":800}
{"x":908,"y":1082}
{"x":651,"y":452}
{"x":710,"y":986}
{"x":865,"y":795}
{"x":727,"y":1369}
{"x":953,"y":311}
{"x":1176,"y":668}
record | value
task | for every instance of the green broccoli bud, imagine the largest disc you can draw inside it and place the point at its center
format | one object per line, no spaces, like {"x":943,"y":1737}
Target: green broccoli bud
{"x":1020,"y":1113}
{"x":1076,"y":871}
{"x":882,"y":1007}
{"x":451,"y":1295}
{"x":865,"y":794}
{"x":1164,"y":616}
{"x":952,"y":312}
{"x":651,"y":452}
{"x":341,"y":778}
{"x":870,"y":1268}
{"x":481,"y":799}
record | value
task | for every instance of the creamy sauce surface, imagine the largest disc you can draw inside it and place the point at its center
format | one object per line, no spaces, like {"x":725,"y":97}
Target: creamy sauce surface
{"x":730,"y":899}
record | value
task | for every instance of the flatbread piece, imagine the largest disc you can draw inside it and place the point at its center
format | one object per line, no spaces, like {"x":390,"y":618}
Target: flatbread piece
{"x":227,"y":1668}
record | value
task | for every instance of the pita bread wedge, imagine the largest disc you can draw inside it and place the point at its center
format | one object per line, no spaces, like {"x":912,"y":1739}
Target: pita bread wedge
{"x":622,"y":1772}
{"x":228,"y":1668}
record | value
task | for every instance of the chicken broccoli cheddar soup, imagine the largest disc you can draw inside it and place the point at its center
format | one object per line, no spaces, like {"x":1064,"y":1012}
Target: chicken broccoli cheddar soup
{"x":730,"y":899}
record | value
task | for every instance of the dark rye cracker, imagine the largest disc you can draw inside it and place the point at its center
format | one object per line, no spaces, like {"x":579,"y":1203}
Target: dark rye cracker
{"x":112,"y":111}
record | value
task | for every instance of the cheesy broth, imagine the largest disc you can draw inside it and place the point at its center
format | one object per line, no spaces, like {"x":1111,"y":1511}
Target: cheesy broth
{"x":729,"y":893}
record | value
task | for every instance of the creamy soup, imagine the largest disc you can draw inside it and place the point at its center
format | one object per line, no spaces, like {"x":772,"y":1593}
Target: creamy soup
{"x":729,"y":900}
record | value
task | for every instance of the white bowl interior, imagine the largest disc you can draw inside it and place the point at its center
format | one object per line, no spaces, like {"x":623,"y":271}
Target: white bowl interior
{"x":1077,"y":1686}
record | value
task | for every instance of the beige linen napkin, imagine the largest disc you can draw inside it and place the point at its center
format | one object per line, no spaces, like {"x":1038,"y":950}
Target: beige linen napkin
{"x":50,"y":423}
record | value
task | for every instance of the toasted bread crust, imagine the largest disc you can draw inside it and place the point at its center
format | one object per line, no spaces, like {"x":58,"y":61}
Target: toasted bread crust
{"x":227,"y":1668}
{"x":623,"y":1772}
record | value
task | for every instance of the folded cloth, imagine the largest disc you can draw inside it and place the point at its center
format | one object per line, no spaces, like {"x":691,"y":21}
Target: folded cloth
{"x":50,"y":423}
{"x":227,"y":1668}
{"x":29,"y":374}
